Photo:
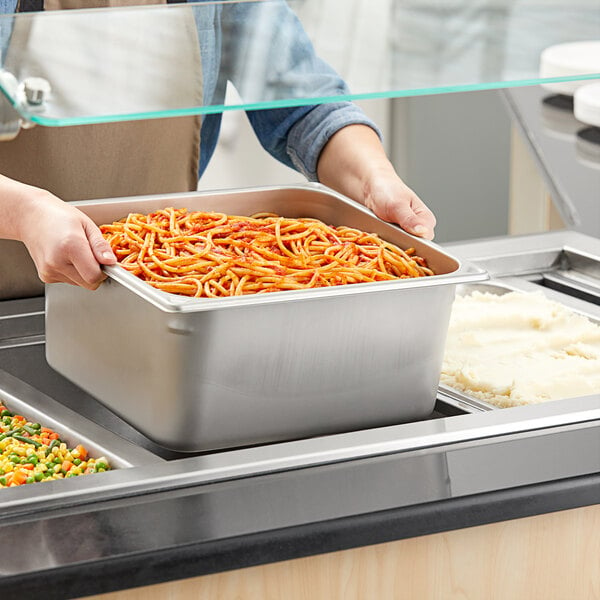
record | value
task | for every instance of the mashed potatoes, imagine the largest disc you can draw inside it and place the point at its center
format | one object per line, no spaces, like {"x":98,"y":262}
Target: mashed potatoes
{"x":520,"y":348}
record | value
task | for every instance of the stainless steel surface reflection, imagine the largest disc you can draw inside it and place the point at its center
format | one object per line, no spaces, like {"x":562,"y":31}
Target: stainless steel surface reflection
{"x":21,"y":398}
{"x":220,"y":513}
{"x":45,"y":547}
{"x":421,"y":438}
{"x":371,"y":491}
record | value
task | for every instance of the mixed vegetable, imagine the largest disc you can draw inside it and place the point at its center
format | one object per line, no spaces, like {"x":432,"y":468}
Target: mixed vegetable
{"x":30,"y":453}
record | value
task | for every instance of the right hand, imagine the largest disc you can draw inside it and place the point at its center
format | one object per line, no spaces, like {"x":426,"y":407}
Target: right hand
{"x":65,"y":244}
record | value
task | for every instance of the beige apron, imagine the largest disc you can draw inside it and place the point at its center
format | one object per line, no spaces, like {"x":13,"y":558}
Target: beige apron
{"x":131,"y":158}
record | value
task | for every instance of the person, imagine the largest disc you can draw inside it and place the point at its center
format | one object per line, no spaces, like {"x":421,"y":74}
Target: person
{"x":332,"y":142}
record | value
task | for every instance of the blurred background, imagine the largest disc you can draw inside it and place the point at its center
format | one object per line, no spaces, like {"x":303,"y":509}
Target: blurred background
{"x":464,"y":153}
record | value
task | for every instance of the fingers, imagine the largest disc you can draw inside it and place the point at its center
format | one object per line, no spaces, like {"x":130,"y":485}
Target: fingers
{"x":67,"y":247}
{"x":71,"y":261}
{"x":68,"y":273}
{"x":81,"y":264}
{"x":64,"y":243}
{"x":100,"y":247}
{"x":391,"y":200}
{"x":413,"y":216}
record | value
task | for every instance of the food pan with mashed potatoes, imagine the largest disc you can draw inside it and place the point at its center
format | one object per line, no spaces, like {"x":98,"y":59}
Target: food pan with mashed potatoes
{"x":528,"y":335}
{"x":510,"y":348}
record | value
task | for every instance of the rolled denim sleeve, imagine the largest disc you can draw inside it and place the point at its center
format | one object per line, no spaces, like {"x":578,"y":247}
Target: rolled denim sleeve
{"x":309,"y":135}
{"x":285,"y":66}
{"x":296,"y":136}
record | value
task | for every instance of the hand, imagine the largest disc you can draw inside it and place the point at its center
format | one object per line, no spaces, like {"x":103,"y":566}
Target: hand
{"x":392,"y":200}
{"x":354,"y":163}
{"x":65,"y":244}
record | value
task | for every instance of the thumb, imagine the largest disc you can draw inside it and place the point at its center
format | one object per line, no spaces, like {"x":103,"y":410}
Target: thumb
{"x":419,"y":223}
{"x":392,"y":200}
{"x":100,"y":247}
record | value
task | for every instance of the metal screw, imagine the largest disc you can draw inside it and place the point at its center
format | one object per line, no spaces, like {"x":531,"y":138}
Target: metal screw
{"x":36,"y":90}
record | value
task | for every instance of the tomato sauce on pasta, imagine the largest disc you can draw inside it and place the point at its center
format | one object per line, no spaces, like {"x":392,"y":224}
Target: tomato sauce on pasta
{"x":210,"y":254}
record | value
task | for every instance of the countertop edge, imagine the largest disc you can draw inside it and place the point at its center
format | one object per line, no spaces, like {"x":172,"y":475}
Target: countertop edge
{"x":308,"y":539}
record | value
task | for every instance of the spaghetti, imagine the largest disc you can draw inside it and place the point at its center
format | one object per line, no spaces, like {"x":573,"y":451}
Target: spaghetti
{"x":208,"y":254}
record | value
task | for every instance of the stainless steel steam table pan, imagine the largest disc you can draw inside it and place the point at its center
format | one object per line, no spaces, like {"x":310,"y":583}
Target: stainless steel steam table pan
{"x":563,"y":265}
{"x":23,"y":399}
{"x":202,"y":374}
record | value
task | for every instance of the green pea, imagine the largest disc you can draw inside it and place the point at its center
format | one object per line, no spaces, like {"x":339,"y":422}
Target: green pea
{"x":77,"y":461}
{"x":14,"y":459}
{"x":2,"y":480}
{"x":29,"y":480}
{"x":33,"y":459}
{"x":38,"y":476}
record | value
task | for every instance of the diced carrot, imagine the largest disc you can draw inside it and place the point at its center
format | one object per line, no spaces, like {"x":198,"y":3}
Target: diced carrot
{"x":27,"y":466}
{"x":82,"y":451}
{"x":19,"y":477}
{"x":46,"y":430}
{"x":66,"y":465}
{"x":53,"y":435}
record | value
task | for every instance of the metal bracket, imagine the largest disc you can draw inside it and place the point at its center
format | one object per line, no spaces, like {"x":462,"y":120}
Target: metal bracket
{"x":31,"y":93}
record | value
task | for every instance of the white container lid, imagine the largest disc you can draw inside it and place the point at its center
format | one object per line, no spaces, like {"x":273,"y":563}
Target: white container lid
{"x":586,"y":104}
{"x":566,"y":60}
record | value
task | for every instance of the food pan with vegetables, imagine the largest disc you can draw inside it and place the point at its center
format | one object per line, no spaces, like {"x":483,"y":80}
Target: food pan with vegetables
{"x":31,"y":453}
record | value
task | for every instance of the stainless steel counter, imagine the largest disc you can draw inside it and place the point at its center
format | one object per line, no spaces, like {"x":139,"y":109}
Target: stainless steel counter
{"x":461,"y":467}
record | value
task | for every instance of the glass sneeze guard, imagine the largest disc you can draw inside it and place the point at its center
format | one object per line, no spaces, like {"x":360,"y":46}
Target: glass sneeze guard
{"x":76,"y":67}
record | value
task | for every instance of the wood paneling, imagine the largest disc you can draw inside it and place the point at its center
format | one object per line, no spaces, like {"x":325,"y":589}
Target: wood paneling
{"x":547,"y":557}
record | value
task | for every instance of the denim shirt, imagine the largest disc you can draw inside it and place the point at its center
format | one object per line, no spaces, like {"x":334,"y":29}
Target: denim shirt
{"x":262,"y":48}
